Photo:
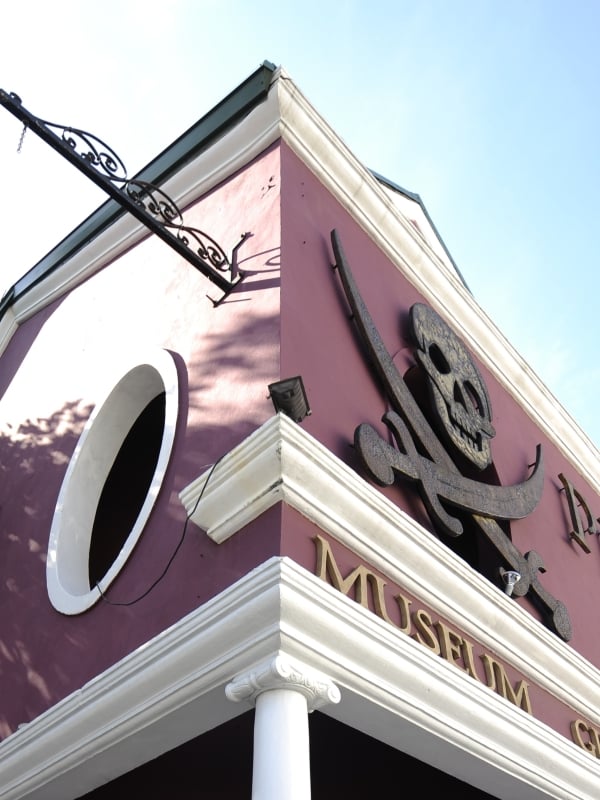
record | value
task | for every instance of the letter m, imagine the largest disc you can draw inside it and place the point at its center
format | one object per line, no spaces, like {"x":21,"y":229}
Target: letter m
{"x":328,"y":571}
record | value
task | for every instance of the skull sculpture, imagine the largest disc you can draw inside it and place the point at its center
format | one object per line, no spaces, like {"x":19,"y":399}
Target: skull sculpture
{"x":460,"y":398}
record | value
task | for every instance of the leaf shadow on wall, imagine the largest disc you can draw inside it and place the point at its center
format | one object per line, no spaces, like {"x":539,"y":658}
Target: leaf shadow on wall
{"x":33,"y":460}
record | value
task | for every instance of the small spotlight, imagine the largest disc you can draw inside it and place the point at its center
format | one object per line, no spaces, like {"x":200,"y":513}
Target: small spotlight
{"x":289,"y":397}
{"x":510,"y":578}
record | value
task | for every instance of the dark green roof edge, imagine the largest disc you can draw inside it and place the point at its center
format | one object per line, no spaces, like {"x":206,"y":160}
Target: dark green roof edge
{"x":226,"y":113}
{"x":417,"y":199}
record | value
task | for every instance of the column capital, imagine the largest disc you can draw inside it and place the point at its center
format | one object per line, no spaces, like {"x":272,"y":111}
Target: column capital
{"x":281,"y":672}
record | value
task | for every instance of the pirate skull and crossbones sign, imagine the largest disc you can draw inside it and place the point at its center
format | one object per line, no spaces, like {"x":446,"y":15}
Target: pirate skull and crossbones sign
{"x":459,"y":395}
{"x":463,"y":418}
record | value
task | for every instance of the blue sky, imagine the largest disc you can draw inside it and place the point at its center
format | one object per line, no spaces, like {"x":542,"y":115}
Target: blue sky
{"x":489,"y":110}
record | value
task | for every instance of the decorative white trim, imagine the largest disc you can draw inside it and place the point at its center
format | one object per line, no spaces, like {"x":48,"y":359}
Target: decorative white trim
{"x":281,"y":462}
{"x":246,"y":482}
{"x":280,"y":672}
{"x":8,"y":326}
{"x":132,"y":385}
{"x":392,"y":688}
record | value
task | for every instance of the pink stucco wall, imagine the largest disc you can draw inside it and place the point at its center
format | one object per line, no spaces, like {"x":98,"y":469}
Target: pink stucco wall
{"x":344,"y":391}
{"x":52,"y":373}
{"x":288,"y":317}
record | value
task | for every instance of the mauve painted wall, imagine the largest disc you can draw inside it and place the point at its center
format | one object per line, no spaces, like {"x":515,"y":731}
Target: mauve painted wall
{"x":226,"y":357}
{"x":52,"y":373}
{"x":298,"y":543}
{"x":343,"y":391}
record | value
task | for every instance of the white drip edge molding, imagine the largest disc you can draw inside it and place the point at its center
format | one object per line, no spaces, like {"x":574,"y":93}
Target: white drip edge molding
{"x":175,"y":688}
{"x":281,"y":462}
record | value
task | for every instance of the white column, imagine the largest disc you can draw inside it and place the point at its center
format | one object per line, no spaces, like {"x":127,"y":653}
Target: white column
{"x":284,"y":692}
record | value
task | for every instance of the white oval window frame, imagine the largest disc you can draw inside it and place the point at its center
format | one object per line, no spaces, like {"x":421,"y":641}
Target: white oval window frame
{"x":67,"y":571}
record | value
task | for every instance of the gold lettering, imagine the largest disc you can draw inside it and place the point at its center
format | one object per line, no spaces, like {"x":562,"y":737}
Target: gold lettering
{"x":424,"y":630}
{"x":327,"y":567}
{"x":437,"y":637}
{"x":595,"y":739}
{"x":590,"y":744}
{"x":576,"y":727}
{"x":498,"y":681}
{"x":404,"y":607}
{"x":451,"y":644}
{"x":468,"y":659}
{"x":360,"y":577}
{"x":454,"y":649}
{"x":377,"y":585}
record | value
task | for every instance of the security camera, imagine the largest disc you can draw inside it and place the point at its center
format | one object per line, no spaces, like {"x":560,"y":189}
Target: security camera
{"x":510,"y":578}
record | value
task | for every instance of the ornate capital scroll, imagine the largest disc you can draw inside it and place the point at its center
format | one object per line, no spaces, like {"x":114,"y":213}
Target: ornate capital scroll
{"x":280,"y":672}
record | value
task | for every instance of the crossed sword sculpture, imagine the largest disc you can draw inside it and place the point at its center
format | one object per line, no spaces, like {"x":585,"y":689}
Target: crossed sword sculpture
{"x":437,"y":476}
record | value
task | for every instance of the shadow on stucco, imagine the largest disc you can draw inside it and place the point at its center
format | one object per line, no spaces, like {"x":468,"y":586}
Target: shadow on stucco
{"x":33,"y":460}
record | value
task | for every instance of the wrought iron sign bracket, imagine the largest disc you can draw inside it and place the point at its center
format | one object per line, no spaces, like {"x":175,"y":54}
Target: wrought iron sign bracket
{"x":145,"y":201}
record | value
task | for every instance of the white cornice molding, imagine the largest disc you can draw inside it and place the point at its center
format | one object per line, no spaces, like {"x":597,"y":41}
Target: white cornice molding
{"x":392,"y":688}
{"x":281,"y":462}
{"x":122,"y":235}
{"x":166,"y":692}
{"x":390,"y":685}
{"x":326,"y":155}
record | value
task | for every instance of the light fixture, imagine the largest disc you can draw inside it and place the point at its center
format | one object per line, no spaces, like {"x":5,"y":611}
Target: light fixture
{"x":289,"y":397}
{"x":510,"y":578}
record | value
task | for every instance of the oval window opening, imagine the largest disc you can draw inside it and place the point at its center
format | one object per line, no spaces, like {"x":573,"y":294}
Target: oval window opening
{"x":126,"y":487}
{"x":112,"y":482}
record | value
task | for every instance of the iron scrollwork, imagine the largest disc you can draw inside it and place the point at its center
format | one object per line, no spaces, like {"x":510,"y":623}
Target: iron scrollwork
{"x":89,"y":148}
{"x":162,"y":207}
{"x":147,"y":202}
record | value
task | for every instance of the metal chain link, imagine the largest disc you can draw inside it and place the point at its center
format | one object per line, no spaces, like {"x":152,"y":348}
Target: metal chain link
{"x":23,"y":132}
